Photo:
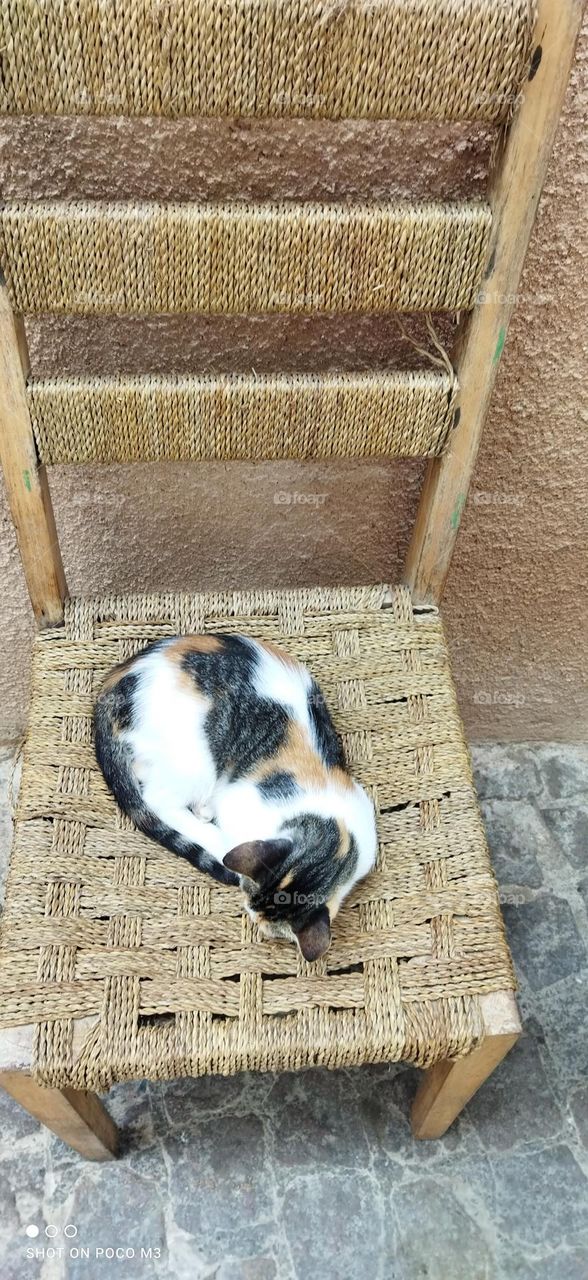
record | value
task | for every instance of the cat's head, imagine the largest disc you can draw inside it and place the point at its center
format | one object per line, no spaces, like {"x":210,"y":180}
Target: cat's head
{"x":294,"y":884}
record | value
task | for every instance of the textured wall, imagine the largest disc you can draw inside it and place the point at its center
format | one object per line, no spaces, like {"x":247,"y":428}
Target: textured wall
{"x":516,"y":601}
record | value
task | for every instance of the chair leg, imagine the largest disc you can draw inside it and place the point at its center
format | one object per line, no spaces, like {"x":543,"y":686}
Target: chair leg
{"x":77,"y":1117}
{"x":447,"y":1086}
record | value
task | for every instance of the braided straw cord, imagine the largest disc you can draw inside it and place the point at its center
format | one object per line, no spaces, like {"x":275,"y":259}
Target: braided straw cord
{"x":425,"y":60}
{"x":129,"y":419}
{"x":238,"y":258}
{"x":132,"y":964}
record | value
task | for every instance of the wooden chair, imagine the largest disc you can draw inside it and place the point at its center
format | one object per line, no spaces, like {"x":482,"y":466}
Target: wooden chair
{"x":117,"y":961}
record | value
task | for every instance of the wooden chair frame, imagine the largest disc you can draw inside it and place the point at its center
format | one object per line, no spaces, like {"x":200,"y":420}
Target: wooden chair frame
{"x":514,"y":189}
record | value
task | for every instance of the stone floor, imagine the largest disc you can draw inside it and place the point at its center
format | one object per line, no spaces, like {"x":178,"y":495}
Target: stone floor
{"x":317,"y":1174}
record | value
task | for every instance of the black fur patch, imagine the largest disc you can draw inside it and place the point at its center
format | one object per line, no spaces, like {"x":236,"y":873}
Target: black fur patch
{"x":122,"y":701}
{"x":113,"y":713}
{"x":279,"y":786}
{"x":241,"y":727}
{"x":328,"y":740}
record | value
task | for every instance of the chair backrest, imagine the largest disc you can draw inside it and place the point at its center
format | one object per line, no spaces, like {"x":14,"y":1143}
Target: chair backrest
{"x":492,"y":60}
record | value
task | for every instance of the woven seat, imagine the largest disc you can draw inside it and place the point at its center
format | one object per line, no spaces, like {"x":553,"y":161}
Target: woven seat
{"x":132,"y":964}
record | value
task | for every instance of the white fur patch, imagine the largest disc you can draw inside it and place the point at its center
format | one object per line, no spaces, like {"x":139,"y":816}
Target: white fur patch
{"x":177,"y":768}
{"x":287,"y":684}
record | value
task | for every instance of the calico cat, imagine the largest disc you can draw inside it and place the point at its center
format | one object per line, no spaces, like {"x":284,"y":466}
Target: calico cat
{"x":221,"y":748}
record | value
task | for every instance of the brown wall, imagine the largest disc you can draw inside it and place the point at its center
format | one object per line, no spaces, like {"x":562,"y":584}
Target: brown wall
{"x":516,"y":601}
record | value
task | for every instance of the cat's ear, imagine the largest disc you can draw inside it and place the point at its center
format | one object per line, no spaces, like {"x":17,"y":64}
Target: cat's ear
{"x":314,"y":938}
{"x":254,"y":857}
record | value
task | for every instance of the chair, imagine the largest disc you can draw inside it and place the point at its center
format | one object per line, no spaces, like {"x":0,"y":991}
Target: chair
{"x":118,"y":960}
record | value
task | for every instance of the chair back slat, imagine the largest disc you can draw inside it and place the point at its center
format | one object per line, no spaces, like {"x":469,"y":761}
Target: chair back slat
{"x":132,"y":419}
{"x":377,"y":59}
{"x":239,"y":258}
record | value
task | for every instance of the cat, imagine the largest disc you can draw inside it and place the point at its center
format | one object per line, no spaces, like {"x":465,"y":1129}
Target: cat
{"x":221,"y":748}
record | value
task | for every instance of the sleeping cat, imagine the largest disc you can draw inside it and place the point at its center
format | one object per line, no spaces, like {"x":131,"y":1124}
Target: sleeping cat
{"x":221,"y":748}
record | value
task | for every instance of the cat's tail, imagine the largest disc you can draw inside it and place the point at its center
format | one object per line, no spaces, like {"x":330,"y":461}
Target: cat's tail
{"x":115,"y":757}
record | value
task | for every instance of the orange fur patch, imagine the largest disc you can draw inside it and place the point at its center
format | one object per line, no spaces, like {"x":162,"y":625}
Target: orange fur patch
{"x":342,"y":778}
{"x":180,"y":648}
{"x":299,"y":758}
{"x":344,"y":841}
{"x":296,"y":757}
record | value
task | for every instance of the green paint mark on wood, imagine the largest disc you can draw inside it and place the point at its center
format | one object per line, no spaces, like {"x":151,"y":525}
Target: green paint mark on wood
{"x":457,"y":512}
{"x":26,"y":475}
{"x":499,"y":345}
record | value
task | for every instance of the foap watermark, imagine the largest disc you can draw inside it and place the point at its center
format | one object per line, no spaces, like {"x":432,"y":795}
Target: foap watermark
{"x":285,"y":98}
{"x":284,"y":899}
{"x":287,"y":301}
{"x":109,"y":99}
{"x":287,"y":498}
{"x":54,"y":1243}
{"x":499,"y":698}
{"x":500,"y":99}
{"x":512,"y":897}
{"x":497,"y":498}
{"x":99,"y":300}
{"x":487,"y":297}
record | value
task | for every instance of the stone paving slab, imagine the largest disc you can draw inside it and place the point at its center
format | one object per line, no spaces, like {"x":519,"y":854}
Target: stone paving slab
{"x":287,"y":1177}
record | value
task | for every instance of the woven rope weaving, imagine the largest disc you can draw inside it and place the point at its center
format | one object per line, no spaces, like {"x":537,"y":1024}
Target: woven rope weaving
{"x":237,"y":258}
{"x":127,"y":419}
{"x":428,"y":59}
{"x":129,"y":963}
